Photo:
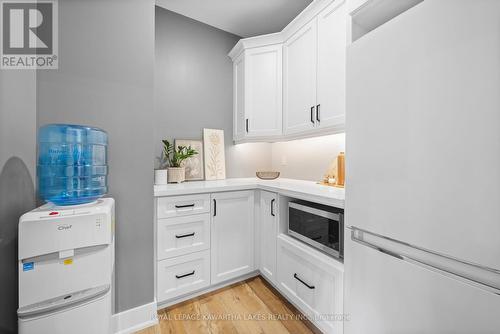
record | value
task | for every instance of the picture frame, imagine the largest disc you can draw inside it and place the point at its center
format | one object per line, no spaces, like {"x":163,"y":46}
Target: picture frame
{"x":194,"y":166}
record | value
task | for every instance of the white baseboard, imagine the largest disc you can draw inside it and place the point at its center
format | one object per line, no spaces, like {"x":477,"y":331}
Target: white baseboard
{"x":135,"y":319}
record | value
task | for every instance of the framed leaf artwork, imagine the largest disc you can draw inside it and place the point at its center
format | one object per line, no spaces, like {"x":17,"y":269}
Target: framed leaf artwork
{"x":215,"y":159}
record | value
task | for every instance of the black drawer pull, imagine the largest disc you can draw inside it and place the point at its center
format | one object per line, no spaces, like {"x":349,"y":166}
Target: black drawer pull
{"x":318,"y":116}
{"x":272,"y":207}
{"x":185,"y":275}
{"x":312,"y":115}
{"x":184,"y":235}
{"x":301,"y":281}
{"x":185,"y":206}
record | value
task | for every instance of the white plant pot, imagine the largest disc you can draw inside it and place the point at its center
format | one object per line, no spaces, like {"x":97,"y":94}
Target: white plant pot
{"x":176,"y":174}
{"x":161,"y":176}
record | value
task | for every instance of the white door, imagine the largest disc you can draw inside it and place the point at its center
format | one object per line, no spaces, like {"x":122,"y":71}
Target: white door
{"x":331,"y":66}
{"x":299,"y":80}
{"x":263,"y":108}
{"x":268,"y":234}
{"x":239,"y":98}
{"x":232,"y":235}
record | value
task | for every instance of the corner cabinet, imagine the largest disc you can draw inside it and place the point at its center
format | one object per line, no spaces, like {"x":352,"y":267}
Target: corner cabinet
{"x":257,"y":93}
{"x":292,"y":84}
{"x":314,"y":64}
{"x":232,"y":235}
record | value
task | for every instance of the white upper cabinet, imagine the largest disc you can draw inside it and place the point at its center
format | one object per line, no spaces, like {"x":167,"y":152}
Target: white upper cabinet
{"x":292,"y":84}
{"x":332,"y":40}
{"x":263,"y":108}
{"x":239,"y":98}
{"x":314,"y":74}
{"x":232,"y":235}
{"x":257,"y":90}
{"x":299,"y":82}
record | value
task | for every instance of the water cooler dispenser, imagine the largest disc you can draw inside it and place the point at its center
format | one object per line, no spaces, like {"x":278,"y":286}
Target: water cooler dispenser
{"x":66,"y":251}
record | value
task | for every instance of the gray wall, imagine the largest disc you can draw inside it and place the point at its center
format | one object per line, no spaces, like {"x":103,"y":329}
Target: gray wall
{"x":105,"y":79}
{"x":17,"y":169}
{"x":193,"y":89}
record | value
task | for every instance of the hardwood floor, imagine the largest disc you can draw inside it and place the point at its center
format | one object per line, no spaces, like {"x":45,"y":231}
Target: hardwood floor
{"x":251,"y":306}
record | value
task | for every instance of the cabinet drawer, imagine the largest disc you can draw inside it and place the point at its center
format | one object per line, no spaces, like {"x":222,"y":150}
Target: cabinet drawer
{"x":177,"y":206}
{"x":313,"y":281}
{"x":183,"y":235}
{"x":182,"y":275}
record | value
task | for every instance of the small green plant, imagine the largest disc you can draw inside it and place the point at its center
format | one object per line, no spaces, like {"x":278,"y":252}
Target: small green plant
{"x":173,"y":157}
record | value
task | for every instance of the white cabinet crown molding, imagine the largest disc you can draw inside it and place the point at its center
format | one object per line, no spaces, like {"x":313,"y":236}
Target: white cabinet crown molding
{"x":298,"y":22}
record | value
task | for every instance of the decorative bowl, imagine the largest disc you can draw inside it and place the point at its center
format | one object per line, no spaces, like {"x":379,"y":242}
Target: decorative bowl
{"x":267,"y":175}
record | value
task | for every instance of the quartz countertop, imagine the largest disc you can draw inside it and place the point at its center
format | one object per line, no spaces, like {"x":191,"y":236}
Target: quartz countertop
{"x":300,"y":189}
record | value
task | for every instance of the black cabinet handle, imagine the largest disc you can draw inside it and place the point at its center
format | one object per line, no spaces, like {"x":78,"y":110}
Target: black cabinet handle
{"x":246,"y":125}
{"x":184,"y":235}
{"x":312,"y":114}
{"x":301,"y":281}
{"x":272,"y":207}
{"x":318,"y":116}
{"x":185,"y":275}
{"x":215,"y":207}
{"x":185,"y":206}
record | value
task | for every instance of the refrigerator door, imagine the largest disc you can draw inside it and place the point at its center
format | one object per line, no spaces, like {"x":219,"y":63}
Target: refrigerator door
{"x":387,"y":295}
{"x":423,"y":144}
{"x":423,"y":130}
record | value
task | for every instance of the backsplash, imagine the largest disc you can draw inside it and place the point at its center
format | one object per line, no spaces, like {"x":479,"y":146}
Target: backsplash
{"x":306,"y":159}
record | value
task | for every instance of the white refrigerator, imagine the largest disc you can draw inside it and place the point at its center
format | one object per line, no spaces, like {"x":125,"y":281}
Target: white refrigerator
{"x":422,"y":243}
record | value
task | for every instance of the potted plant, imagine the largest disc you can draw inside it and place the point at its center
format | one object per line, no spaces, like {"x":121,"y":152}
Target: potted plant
{"x":173,"y":157}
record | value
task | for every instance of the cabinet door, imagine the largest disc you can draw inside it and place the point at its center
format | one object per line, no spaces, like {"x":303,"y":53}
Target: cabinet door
{"x":268,"y":234}
{"x":239,"y":98}
{"x":332,"y":37}
{"x":299,"y":80}
{"x":232,"y":235}
{"x":263,"y":108}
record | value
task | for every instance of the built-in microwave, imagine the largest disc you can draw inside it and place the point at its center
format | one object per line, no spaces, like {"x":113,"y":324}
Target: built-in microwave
{"x":318,"y":225}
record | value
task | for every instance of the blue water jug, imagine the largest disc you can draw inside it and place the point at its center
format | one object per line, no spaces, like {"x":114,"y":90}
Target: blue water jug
{"x":72,"y":164}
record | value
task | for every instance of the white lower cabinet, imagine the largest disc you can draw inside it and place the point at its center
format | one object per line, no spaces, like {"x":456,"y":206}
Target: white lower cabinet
{"x":313,"y":281}
{"x":268,"y":233}
{"x":183,"y":235}
{"x":182,"y":275}
{"x":232,"y":235}
{"x":196,"y":251}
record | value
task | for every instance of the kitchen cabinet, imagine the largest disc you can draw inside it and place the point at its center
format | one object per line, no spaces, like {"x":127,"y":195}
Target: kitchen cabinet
{"x":291,"y":84}
{"x":312,"y":281}
{"x":314,"y":73}
{"x":182,"y":235}
{"x":332,"y":36}
{"x":239,"y":98}
{"x":182,"y":275}
{"x":257,"y":89}
{"x":299,"y":82}
{"x":268,"y":233}
{"x":232,"y":235}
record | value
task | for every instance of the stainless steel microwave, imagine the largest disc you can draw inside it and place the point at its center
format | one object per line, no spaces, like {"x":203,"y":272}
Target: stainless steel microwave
{"x":318,"y":225}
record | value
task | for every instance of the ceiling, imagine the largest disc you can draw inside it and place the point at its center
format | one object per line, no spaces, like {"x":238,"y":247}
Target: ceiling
{"x":244,"y":18}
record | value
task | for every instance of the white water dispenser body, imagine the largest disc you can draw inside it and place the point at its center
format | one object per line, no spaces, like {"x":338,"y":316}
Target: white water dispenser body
{"x":66,"y":263}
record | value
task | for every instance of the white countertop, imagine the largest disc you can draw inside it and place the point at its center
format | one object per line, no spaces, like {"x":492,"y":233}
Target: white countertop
{"x":305,"y":190}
